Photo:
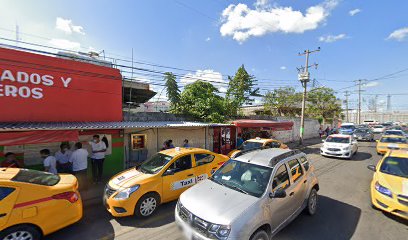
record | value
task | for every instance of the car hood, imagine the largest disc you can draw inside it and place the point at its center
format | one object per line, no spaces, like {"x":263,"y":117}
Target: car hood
{"x":397,"y":185}
{"x":215,"y":203}
{"x":335,"y":145}
{"x":392,"y":145}
{"x":128,"y":178}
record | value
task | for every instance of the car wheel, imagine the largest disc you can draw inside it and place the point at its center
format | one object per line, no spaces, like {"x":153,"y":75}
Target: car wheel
{"x":260,"y":235}
{"x":21,"y":232}
{"x":147,"y":205}
{"x":312,"y":202}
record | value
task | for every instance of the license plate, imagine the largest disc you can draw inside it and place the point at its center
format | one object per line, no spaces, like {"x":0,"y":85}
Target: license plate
{"x":360,"y":138}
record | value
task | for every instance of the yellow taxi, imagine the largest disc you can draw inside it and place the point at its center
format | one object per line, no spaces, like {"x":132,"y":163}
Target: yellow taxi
{"x":391,"y":142}
{"x":34,"y":204}
{"x":257,"y":143}
{"x":389,"y":187}
{"x":162,"y":178}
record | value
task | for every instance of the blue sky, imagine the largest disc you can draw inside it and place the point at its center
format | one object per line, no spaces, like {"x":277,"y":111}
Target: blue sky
{"x":217,"y":36}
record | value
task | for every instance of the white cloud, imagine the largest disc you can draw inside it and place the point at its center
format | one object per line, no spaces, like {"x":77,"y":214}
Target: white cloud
{"x":283,"y":68}
{"x":371,"y":84}
{"x":261,"y":3}
{"x":332,"y":38}
{"x":68,"y":27}
{"x":354,"y":12}
{"x":208,"y":75}
{"x":65,"y":44}
{"x":208,"y":39}
{"x":399,"y":34}
{"x":241,"y":22}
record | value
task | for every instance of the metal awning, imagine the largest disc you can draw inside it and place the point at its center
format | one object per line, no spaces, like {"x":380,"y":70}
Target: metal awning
{"x":26,"y":126}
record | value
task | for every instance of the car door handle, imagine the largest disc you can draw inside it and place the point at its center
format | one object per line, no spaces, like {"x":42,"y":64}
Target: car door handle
{"x":3,"y":215}
{"x":305,"y":181}
{"x":214,"y":168}
{"x":291,"y":194}
{"x":190,"y":175}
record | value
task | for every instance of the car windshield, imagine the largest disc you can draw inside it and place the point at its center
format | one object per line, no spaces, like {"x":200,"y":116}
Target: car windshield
{"x":362,"y":131}
{"x":243,"y":177}
{"x":390,"y":132}
{"x":155,"y":163}
{"x":395,"y":166}
{"x":338,"y":139}
{"x":393,"y":140}
{"x":347,"y":127}
{"x":36,"y":177}
{"x":250,"y":145}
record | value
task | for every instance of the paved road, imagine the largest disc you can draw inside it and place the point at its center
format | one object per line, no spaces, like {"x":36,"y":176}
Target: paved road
{"x":344,"y":210}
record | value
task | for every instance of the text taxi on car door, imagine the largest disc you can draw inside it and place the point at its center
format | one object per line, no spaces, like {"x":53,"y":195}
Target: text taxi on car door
{"x":258,"y":143}
{"x":391,"y":142}
{"x":160,"y":179}
{"x":389,"y":187}
{"x":34,"y":204}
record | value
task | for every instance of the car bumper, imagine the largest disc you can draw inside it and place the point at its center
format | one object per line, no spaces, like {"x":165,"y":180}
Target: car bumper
{"x":121,"y":208}
{"x":365,"y":138}
{"x":398,"y":207}
{"x":187,"y":231}
{"x":339,"y":154}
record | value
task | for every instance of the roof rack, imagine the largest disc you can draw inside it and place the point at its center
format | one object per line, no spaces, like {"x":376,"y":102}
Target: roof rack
{"x":277,"y":159}
{"x":248,"y":150}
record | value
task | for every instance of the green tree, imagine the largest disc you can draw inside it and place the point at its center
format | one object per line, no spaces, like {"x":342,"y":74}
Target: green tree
{"x":322,"y":103}
{"x":240,"y":90}
{"x":173,"y":92}
{"x":283,"y":102}
{"x":200,"y":100}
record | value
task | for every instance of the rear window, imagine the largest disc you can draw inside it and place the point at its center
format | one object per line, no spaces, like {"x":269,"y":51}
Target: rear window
{"x":5,"y":191}
{"x":36,"y":177}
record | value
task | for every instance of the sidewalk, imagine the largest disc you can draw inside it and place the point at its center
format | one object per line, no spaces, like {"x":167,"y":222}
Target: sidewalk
{"x":94,"y":194}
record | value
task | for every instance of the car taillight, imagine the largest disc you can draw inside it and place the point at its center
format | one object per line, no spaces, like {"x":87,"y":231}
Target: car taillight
{"x":70,"y":196}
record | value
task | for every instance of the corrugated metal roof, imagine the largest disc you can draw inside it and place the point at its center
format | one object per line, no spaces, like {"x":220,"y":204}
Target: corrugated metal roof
{"x":20,"y":126}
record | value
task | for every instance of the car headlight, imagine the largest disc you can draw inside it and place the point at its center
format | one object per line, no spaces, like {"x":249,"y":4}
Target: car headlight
{"x":383,"y":190}
{"x":125,"y":193}
{"x":220,"y":231}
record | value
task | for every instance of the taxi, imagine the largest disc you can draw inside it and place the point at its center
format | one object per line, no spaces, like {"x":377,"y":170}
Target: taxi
{"x":391,"y":142}
{"x":389,"y":187}
{"x":35,"y":204}
{"x":257,"y":143}
{"x":162,"y":178}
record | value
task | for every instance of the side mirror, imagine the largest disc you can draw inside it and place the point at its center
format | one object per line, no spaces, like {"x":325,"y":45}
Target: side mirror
{"x":278,"y":194}
{"x":169,"y":172}
{"x":372,"y":168}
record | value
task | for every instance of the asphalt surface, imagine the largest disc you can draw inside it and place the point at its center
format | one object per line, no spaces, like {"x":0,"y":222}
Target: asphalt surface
{"x":344,"y":209}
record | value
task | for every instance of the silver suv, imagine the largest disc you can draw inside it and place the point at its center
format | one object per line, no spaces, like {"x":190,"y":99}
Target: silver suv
{"x":252,"y":196}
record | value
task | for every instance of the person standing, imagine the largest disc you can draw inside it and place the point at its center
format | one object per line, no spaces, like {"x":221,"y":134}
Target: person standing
{"x":171,"y":143}
{"x":186,"y":145}
{"x":50,"y":163}
{"x":11,"y":161}
{"x":240,"y":140}
{"x":79,"y":161}
{"x":97,"y":158}
{"x":62,"y":156}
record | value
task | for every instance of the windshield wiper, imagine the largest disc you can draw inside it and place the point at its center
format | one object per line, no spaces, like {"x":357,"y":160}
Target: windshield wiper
{"x":238,"y":189}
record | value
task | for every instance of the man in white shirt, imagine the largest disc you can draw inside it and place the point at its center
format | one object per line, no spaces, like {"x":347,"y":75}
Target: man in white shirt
{"x":79,"y":160}
{"x":97,"y":158}
{"x":50,"y":163}
{"x":62,"y":156}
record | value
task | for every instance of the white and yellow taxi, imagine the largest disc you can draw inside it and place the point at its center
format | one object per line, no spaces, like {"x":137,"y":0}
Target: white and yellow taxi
{"x":162,"y":178}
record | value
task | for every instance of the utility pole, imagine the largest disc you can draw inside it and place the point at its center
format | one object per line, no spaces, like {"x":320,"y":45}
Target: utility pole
{"x":304,"y":78}
{"x":359,"y":100}
{"x":347,"y":109}
{"x":388,"y":103}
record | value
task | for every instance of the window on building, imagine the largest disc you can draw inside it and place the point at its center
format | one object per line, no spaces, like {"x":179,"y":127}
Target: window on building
{"x":138,"y":141}
{"x":295,"y":169}
{"x":203,"y":158}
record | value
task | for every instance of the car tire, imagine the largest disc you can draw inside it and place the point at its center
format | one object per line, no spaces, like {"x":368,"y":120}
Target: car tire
{"x":147,"y":205}
{"x":21,"y":232}
{"x":312,"y":201}
{"x":260,"y":235}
